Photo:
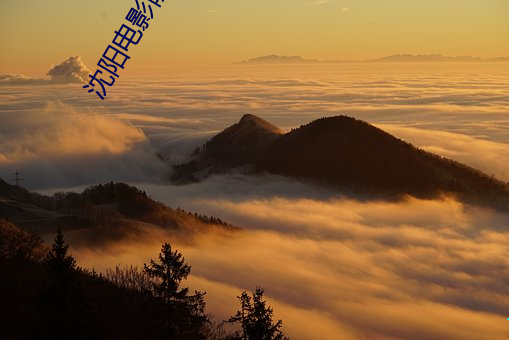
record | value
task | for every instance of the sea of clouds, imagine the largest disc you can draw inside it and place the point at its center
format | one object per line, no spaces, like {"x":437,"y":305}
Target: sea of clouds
{"x":458,"y":111}
{"x":331,"y":266}
{"x":336,"y":268}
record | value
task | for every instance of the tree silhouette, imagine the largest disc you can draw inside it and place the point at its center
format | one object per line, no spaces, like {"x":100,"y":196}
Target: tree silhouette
{"x":255,"y":318}
{"x":61,"y":298}
{"x":58,"y":259}
{"x":185,"y":318}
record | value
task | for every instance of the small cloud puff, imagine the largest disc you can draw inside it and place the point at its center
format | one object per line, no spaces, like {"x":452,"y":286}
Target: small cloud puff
{"x":71,"y":70}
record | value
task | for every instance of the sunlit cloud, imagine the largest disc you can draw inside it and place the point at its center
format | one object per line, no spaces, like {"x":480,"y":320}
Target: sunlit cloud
{"x":18,"y":79}
{"x":71,"y":70}
{"x":488,"y":156}
{"x":60,"y":129}
{"x":358,"y":269}
{"x":66,"y":146}
{"x":420,"y":269}
{"x":192,"y":107}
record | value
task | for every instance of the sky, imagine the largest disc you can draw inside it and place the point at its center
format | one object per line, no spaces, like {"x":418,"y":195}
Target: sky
{"x":36,"y":34}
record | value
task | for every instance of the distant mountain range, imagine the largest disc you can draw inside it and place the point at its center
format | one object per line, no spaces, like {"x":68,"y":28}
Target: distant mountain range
{"x":276,"y":59}
{"x":397,"y":58}
{"x":344,"y":153}
{"x":426,"y":58}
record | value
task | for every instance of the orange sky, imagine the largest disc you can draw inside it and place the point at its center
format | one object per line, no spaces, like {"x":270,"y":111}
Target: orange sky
{"x":36,"y":34}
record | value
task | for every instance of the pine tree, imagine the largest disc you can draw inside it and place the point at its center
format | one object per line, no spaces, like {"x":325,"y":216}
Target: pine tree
{"x":169,"y":273}
{"x":185,"y":316}
{"x":61,"y":298}
{"x":241,"y":316}
{"x":58,"y":260}
{"x":255,"y":318}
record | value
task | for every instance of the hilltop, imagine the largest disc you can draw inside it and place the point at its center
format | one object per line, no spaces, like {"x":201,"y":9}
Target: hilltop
{"x":116,"y":209}
{"x":344,"y":153}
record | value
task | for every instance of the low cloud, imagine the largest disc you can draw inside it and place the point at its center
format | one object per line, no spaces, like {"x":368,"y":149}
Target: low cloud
{"x":60,"y":130}
{"x":488,"y":156}
{"x":179,"y":113}
{"x":6,"y":78}
{"x":420,"y":269}
{"x":71,"y":70}
{"x":62,"y":145}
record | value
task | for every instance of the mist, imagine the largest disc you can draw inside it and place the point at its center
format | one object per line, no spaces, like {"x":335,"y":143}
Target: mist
{"x":425,"y":269}
{"x":457,"y":111}
{"x":63,"y":146}
{"x":330,"y":265}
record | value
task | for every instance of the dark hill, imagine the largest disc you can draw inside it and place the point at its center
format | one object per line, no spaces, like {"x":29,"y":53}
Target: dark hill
{"x":235,"y":146}
{"x":359,"y":158}
{"x":36,"y":300}
{"x":116,"y":208}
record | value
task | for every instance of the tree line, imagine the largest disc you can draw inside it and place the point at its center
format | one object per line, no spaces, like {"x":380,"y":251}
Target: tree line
{"x":48,"y":296}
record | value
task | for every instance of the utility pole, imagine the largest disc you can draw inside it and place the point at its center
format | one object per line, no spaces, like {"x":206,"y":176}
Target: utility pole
{"x":17,"y":178}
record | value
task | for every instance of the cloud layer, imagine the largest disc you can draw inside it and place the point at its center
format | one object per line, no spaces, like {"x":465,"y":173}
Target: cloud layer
{"x":459,"y":111}
{"x":66,"y":147}
{"x":420,"y":269}
{"x":485,"y":155}
{"x":344,"y":269}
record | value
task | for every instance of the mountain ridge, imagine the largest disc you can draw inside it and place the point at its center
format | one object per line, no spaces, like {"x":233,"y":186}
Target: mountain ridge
{"x":230,"y":148}
{"x":352,"y":156}
{"x":396,"y":58}
{"x":116,"y":208}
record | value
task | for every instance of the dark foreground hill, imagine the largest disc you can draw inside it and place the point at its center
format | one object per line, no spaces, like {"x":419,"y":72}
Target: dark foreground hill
{"x":44,"y":294}
{"x":49,"y":298}
{"x":346,"y":153}
{"x":115,"y":208}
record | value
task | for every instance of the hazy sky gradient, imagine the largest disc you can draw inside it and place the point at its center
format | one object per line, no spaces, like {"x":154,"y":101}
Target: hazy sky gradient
{"x":38,"y":33}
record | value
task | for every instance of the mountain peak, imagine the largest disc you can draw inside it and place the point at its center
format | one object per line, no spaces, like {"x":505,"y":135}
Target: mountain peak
{"x":345,"y":153}
{"x":241,"y":142}
{"x":238,"y":145}
{"x":255,"y":122}
{"x":249,"y":117}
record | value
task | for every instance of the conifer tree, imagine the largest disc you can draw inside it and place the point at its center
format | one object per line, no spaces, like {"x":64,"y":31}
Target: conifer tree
{"x":61,"y":298}
{"x":255,"y":318}
{"x":185,"y":316}
{"x":58,"y":260}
